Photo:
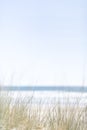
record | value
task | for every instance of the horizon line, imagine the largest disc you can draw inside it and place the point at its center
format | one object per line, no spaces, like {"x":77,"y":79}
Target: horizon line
{"x":45,"y":88}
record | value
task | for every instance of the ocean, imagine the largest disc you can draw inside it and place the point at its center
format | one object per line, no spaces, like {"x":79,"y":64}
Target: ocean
{"x":49,"y":94}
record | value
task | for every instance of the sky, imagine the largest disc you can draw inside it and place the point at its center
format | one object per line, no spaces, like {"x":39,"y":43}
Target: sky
{"x":43,"y":42}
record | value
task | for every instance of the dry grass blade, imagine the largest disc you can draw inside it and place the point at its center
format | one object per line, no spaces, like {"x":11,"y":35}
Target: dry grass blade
{"x":24,"y":115}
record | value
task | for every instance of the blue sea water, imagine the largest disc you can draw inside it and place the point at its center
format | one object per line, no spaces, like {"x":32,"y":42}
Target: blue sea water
{"x":49,"y":94}
{"x":46,"y":88}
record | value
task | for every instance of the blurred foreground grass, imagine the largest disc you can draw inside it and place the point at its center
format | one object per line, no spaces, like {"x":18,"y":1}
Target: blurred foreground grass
{"x":24,"y":115}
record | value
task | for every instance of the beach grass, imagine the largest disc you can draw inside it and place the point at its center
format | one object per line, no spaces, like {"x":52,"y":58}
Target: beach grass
{"x":24,"y":115}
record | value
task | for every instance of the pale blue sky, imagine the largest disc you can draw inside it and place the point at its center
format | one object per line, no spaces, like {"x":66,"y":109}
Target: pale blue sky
{"x":43,"y":42}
